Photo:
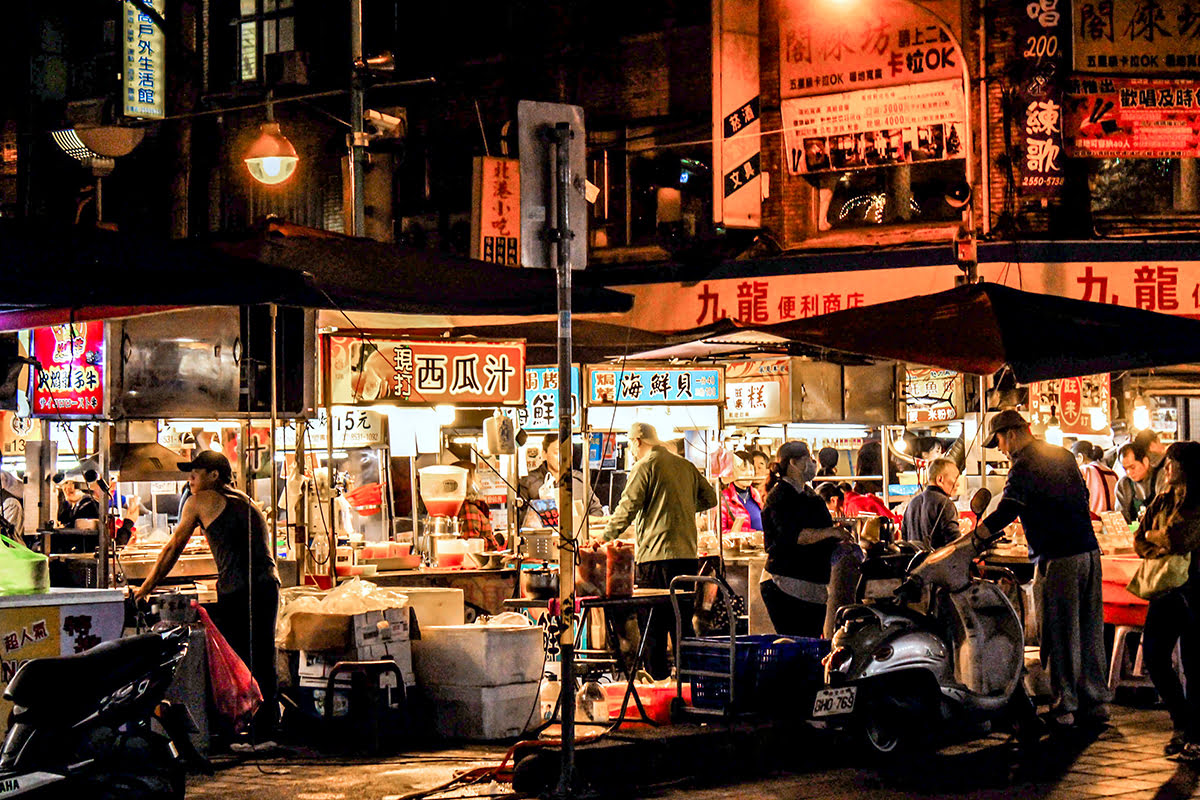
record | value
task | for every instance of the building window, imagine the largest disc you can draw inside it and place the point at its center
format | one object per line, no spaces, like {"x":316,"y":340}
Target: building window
{"x":1126,"y":189}
{"x":897,"y":195}
{"x":264,"y":26}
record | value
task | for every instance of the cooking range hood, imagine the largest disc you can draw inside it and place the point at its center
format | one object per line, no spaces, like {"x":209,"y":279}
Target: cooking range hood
{"x":147,"y":461}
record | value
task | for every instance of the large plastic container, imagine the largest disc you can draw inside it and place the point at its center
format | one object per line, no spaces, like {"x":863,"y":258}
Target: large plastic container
{"x":483,"y":713}
{"x":435,"y":605}
{"x":443,"y":489}
{"x":478,"y":655}
{"x":619,"y":575}
{"x":655,"y":699}
{"x":592,"y":577}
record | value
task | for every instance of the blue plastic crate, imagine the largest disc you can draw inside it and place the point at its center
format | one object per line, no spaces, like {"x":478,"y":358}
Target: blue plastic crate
{"x":711,"y":653}
{"x":789,"y":671}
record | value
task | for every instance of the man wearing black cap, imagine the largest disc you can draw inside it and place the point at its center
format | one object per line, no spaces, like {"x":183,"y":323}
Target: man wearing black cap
{"x":247,"y":581}
{"x":1045,"y":489}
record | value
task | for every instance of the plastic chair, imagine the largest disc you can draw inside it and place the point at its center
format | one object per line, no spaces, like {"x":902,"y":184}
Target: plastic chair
{"x":368,"y":702}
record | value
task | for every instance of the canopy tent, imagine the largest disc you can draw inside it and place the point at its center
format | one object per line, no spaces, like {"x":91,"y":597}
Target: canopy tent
{"x":979,"y":328}
{"x":57,"y":274}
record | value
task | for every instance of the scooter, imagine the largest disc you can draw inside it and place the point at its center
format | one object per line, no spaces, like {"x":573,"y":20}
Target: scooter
{"x":82,"y":723}
{"x":904,"y":678}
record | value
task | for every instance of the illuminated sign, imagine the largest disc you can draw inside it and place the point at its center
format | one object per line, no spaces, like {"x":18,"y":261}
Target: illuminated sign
{"x":145,"y":71}
{"x":365,"y":371}
{"x":541,"y":399}
{"x":69,"y":383}
{"x":755,"y":390}
{"x":628,"y":386}
{"x":496,"y":211}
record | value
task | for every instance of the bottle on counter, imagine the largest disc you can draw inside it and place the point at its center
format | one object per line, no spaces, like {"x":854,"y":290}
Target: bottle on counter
{"x":591,"y":705}
{"x":548,"y":697}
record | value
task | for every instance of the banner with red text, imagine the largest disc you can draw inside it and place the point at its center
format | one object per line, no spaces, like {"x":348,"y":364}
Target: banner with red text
{"x":70,"y":381}
{"x":365,"y":371}
{"x":1133,"y":118}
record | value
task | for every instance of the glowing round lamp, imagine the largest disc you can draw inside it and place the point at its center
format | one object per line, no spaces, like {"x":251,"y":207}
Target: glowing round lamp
{"x":271,"y":159}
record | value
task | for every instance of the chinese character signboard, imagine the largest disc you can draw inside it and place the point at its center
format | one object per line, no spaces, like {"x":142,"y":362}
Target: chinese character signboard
{"x":1041,"y":57}
{"x":737,"y":200}
{"x":496,"y":211}
{"x":352,"y":427}
{"x":541,"y":399}
{"x":1133,"y":118}
{"x":755,"y":390}
{"x":874,"y":127}
{"x":647,"y":386}
{"x":145,"y":73}
{"x":410,"y":372}
{"x":70,"y":381}
{"x":1137,"y":37}
{"x":882,"y":44}
{"x":932,"y":395}
{"x":1082,"y":405}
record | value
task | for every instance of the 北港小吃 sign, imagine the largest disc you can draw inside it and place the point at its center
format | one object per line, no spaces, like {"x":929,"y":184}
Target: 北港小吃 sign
{"x":541,"y":399}
{"x":69,"y":383}
{"x":144,"y":71}
{"x":609,"y":386}
{"x":414,"y":372}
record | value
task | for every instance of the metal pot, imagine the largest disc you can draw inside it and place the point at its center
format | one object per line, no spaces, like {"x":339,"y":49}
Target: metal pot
{"x":540,"y":583}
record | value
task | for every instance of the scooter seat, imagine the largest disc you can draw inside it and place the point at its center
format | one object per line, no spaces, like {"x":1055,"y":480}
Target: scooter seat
{"x":80,"y":680}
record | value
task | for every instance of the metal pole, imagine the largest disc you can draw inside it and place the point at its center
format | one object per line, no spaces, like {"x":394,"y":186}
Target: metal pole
{"x":560,"y":235}
{"x":104,"y":573}
{"x":274,"y":311}
{"x":357,"y":140}
{"x":332,"y":532}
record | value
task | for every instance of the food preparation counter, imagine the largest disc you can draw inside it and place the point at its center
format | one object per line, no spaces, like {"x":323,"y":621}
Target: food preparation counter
{"x":487,"y":589}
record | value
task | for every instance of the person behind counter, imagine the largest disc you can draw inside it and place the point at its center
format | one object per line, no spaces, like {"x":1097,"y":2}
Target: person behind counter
{"x":247,"y":581}
{"x":741,"y":504}
{"x":475,"y":518}
{"x":542,"y":483}
{"x":77,"y":503}
{"x":1171,"y":526}
{"x":931,"y":519}
{"x":802,"y":545}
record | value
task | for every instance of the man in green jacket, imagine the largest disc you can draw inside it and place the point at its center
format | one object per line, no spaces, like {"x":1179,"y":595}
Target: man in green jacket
{"x":662,"y":497}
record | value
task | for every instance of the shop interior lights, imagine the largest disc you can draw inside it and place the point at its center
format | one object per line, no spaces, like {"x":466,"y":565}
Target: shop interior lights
{"x":1141,"y":413}
{"x":1054,"y":433}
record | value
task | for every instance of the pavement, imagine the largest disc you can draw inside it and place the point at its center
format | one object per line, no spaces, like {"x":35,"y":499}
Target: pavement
{"x":748,"y":761}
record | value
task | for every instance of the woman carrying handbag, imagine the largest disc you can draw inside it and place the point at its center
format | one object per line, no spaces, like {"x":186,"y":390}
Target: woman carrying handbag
{"x":1170,"y":533}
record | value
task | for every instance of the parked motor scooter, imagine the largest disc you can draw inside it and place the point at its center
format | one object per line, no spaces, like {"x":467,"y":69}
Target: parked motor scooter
{"x":906,"y":678}
{"x":82,"y":723}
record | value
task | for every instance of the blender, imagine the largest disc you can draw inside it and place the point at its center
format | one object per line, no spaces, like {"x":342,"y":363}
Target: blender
{"x":443,"y":490}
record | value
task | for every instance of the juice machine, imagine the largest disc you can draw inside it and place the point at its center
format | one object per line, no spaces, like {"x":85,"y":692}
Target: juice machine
{"x":443,"y":491}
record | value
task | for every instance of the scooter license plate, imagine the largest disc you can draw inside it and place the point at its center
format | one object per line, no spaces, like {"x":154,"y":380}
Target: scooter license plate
{"x":831,"y":702}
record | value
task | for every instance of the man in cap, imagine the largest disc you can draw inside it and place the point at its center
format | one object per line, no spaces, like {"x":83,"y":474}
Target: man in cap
{"x":247,"y":581}
{"x":662,"y":496}
{"x":1045,"y":489}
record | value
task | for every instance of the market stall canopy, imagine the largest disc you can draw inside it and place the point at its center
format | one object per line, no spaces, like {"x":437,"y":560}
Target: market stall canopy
{"x":355,"y":274}
{"x":979,"y":328}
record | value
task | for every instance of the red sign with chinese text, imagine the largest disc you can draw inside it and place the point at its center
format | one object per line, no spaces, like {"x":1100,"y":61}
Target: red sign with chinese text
{"x":70,"y":381}
{"x":365,"y":371}
{"x":496,"y":212}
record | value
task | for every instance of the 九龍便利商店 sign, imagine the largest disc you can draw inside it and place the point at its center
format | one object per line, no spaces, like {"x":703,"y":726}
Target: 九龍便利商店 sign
{"x":69,"y":380}
{"x":366,"y":370}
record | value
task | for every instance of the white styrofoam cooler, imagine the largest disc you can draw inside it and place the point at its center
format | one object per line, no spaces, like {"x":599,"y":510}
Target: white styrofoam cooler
{"x":435,"y":605}
{"x":478,"y":655}
{"x":483,"y":712}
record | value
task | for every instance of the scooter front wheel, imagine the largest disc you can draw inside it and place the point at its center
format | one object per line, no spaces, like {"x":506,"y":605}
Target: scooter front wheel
{"x":139,"y":766}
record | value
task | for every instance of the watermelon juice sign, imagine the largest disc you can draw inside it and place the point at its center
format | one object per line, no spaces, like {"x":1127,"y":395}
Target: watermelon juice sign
{"x":69,"y":382}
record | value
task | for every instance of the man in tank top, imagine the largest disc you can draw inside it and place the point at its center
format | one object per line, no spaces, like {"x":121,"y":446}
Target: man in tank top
{"x":247,"y":580}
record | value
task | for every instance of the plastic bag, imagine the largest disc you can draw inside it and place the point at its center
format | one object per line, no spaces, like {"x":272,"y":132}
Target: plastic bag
{"x":235,"y":693}
{"x":22,"y":571}
{"x":355,"y":596}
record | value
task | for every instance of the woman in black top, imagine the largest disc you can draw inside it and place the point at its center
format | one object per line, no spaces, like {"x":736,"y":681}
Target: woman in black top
{"x":801,"y":541}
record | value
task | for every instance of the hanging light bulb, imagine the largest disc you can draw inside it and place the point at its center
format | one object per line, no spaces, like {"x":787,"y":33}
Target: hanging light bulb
{"x":1141,"y":413}
{"x":1054,"y":434}
{"x":1099,"y":420}
{"x":271,"y":159}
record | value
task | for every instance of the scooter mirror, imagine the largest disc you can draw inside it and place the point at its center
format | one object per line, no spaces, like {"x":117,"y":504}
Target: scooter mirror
{"x":980,"y":501}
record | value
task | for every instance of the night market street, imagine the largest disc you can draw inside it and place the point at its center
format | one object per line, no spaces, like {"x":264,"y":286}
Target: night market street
{"x":1125,"y":761}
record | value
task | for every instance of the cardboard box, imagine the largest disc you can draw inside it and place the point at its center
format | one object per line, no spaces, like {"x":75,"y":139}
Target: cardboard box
{"x":313,"y":631}
{"x":318,"y":665}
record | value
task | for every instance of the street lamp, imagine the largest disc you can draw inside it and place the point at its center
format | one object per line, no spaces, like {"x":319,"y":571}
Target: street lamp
{"x":271,"y":159}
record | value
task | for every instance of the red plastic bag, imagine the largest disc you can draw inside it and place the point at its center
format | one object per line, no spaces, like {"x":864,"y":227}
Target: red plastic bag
{"x":235,"y":693}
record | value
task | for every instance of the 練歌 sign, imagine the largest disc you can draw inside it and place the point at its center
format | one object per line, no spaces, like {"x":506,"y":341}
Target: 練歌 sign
{"x":1133,"y":118}
{"x":874,"y":127}
{"x":365,"y":371}
{"x":70,"y":380}
{"x":609,"y":386}
{"x":145,"y":72}
{"x":883,"y":44}
{"x":541,"y":399}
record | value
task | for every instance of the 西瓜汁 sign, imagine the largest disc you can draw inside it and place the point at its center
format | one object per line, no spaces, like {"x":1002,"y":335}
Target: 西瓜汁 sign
{"x":645,"y":386}
{"x":541,"y":399}
{"x":1133,"y":118}
{"x":144,"y":71}
{"x":755,"y":390}
{"x":69,"y":382}
{"x":415,"y":372}
{"x":875,"y":127}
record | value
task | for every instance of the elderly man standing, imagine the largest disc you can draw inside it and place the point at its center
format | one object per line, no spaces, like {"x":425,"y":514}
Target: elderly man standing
{"x":662,"y":497}
{"x":931,"y":519}
{"x":1044,"y":488}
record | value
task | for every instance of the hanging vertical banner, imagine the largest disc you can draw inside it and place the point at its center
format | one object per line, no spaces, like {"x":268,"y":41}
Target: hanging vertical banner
{"x":70,"y":381}
{"x":496,"y":211}
{"x":145,"y":68}
{"x":737,"y":198}
{"x":1041,"y":39}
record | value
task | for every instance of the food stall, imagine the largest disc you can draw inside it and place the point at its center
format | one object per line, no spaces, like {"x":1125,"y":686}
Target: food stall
{"x":442,"y":378}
